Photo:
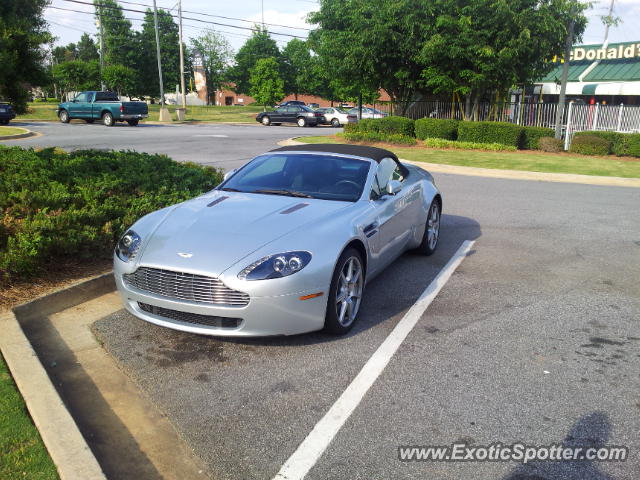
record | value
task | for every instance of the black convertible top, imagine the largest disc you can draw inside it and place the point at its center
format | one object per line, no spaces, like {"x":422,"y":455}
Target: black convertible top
{"x":373,"y":153}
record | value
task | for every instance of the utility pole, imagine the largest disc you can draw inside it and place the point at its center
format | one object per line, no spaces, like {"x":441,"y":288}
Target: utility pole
{"x":262,"y":6}
{"x":102,"y":86}
{"x":182,"y":87}
{"x":565,"y":75}
{"x":164,"y":113}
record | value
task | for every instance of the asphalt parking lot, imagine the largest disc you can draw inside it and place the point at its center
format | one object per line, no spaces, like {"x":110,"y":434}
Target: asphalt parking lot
{"x":534,"y":339}
{"x":220,"y":145}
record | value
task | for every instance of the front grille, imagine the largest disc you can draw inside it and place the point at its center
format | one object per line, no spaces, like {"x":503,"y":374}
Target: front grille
{"x":185,"y":286}
{"x":186,"y":317}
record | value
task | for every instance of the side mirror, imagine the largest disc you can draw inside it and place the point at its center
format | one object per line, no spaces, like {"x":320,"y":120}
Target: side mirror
{"x":394,"y":187}
{"x":229,"y":174}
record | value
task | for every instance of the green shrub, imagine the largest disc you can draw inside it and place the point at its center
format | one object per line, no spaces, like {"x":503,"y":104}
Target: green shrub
{"x":550,"y":144}
{"x":621,"y":144}
{"x":613,"y":138}
{"x":590,"y":145}
{"x":490,"y":132}
{"x":351,"y":127}
{"x":442,"y":143}
{"x":531,"y":136}
{"x":395,"y":138}
{"x":628,"y":145}
{"x":436,"y":128}
{"x":388,"y":125}
{"x":74,"y":206}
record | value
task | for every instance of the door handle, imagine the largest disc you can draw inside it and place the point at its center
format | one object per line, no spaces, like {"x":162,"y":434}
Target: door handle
{"x":371,"y":229}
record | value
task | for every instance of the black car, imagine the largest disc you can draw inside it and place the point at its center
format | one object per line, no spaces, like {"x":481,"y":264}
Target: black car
{"x":300,"y":114}
{"x":291,"y":102}
{"x":6,"y":113}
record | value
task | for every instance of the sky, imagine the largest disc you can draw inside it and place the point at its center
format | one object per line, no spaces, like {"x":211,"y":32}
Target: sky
{"x":68,"y":26}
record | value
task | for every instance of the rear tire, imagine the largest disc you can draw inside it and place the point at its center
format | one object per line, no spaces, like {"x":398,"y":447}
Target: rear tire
{"x":302,"y":122}
{"x":132,"y":123}
{"x":107,"y":119}
{"x":335,"y":122}
{"x":266,"y":121}
{"x":63,"y":115}
{"x":345,"y":293}
{"x":431,"y":230}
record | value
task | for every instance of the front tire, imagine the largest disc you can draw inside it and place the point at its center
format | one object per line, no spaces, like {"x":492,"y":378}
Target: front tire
{"x":302,"y":122}
{"x":335,"y":122}
{"x":431,"y":230}
{"x":107,"y":119}
{"x":64,"y":116}
{"x":266,"y":121}
{"x":345,"y":293}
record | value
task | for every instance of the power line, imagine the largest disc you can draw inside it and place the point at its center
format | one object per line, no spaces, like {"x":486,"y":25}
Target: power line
{"x":173,"y":16}
{"x":226,"y":18}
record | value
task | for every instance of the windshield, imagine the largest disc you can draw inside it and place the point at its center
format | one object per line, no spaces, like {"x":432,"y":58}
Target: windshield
{"x":341,"y":110}
{"x":296,"y":174}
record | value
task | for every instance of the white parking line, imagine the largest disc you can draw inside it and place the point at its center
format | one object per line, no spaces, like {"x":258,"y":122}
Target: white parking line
{"x":312,"y":447}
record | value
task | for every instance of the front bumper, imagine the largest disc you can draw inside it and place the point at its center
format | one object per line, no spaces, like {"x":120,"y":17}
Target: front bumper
{"x":263,"y":316}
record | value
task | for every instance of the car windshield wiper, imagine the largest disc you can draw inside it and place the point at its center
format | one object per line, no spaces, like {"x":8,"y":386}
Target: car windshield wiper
{"x":289,"y":193}
{"x":229,"y":189}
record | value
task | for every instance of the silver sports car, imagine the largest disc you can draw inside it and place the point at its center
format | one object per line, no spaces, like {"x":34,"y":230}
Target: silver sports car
{"x":284,"y":245}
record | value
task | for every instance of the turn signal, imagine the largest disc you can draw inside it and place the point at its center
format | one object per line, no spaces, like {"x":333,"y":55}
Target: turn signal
{"x":313,"y":295}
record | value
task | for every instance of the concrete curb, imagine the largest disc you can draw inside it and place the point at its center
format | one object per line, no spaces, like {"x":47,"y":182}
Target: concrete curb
{"x":27,"y":134}
{"x":512,"y":174}
{"x":66,"y":445}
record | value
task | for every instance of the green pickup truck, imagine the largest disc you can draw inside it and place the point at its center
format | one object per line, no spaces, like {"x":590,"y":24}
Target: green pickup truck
{"x":105,"y":106}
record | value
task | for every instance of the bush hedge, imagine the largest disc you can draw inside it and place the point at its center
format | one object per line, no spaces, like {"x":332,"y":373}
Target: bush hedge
{"x":621,"y":144}
{"x":388,"y":125}
{"x":490,"y":132}
{"x":396,"y":138}
{"x":590,"y":145}
{"x":442,"y":143}
{"x":550,"y":144}
{"x":57,"y":205}
{"x":532,"y":135}
{"x":436,"y":128}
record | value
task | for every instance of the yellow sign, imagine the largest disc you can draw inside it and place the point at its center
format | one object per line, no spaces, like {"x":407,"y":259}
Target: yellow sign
{"x":597,"y":52}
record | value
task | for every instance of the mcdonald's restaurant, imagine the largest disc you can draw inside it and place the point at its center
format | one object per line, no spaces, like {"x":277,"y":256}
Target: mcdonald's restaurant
{"x":607,"y":74}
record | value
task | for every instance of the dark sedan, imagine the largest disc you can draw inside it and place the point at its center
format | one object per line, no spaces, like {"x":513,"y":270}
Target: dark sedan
{"x":6,"y":113}
{"x":299,"y":114}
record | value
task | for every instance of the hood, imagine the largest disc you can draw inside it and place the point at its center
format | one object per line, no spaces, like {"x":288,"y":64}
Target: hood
{"x":213,"y":232}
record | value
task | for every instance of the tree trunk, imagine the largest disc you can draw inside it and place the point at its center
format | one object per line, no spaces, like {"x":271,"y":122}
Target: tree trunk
{"x":467,"y":106}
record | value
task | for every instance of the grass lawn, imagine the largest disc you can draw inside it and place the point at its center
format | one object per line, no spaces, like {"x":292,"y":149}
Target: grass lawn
{"x":22,"y":453}
{"x":11,"y":131}
{"x":526,"y":160}
{"x":47,"y":111}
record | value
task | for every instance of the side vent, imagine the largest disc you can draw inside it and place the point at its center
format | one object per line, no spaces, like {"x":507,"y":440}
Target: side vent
{"x":294,"y":208}
{"x":217,"y":201}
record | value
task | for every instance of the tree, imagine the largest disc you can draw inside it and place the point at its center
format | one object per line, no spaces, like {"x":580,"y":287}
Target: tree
{"x":266,"y":84}
{"x":259,"y":46}
{"x":120,"y":79}
{"x":22,"y":33}
{"x":64,"y":54}
{"x":147,"y":63}
{"x":120,"y":41}
{"x":480,"y":46}
{"x":76,"y":75}
{"x":366,"y":44}
{"x":298,"y":66}
{"x":215,"y":52}
{"x":87,"y":49}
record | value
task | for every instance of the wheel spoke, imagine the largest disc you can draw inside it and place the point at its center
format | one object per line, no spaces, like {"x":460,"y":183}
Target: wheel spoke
{"x":343,"y":310}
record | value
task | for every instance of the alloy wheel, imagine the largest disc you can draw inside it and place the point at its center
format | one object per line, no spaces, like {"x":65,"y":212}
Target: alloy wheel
{"x":349,"y":291}
{"x":433,"y":226}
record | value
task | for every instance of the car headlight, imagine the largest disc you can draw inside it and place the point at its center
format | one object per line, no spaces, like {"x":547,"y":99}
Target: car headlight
{"x":128,"y":246}
{"x":276,"y":266}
